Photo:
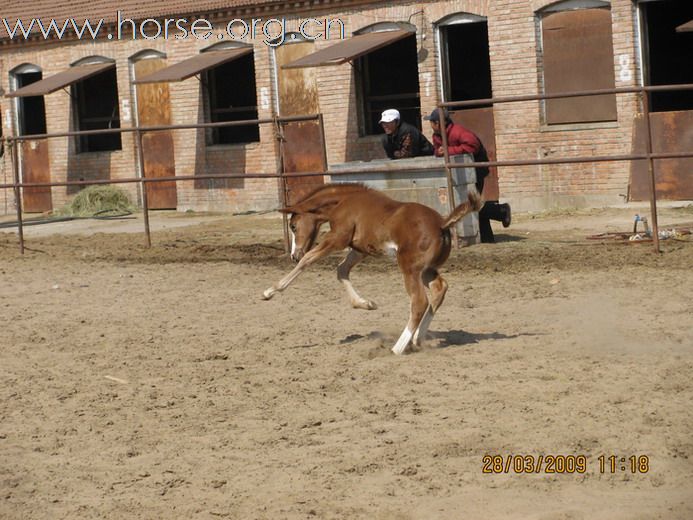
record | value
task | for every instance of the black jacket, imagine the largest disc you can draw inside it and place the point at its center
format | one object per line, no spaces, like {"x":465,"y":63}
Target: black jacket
{"x":406,"y":141}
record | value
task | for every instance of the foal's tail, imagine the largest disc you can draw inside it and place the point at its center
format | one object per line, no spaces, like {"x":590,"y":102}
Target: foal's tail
{"x":473,"y":203}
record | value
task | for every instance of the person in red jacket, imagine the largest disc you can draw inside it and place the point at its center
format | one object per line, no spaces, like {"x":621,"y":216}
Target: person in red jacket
{"x":462,"y":140}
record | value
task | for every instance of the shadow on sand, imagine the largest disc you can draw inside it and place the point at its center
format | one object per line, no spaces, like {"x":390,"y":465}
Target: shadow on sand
{"x":444,"y":339}
{"x":454,"y":338}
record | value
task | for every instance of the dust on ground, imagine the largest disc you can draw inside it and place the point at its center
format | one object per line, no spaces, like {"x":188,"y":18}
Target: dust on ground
{"x":155,"y":383}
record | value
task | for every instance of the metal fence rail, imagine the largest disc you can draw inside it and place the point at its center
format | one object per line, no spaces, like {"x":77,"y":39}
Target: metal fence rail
{"x":138,"y":131}
{"x":649,"y":155}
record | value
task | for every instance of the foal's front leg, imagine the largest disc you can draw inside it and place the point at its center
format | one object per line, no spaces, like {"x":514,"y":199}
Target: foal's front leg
{"x":353,"y":258}
{"x":326,"y":247}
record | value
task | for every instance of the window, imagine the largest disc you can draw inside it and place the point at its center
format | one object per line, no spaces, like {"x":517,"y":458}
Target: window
{"x":31,"y":111}
{"x":577,"y":54}
{"x":466,"y":65}
{"x":668,"y":53}
{"x":389,"y":78}
{"x":96,"y":108}
{"x":232,"y":96}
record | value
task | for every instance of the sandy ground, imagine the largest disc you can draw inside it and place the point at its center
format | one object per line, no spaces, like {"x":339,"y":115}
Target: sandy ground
{"x":156,"y":383}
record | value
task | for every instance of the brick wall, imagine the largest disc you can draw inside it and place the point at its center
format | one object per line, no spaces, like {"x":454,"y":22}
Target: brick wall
{"x":519,"y":130}
{"x":192,"y":156}
{"x":515,"y":71}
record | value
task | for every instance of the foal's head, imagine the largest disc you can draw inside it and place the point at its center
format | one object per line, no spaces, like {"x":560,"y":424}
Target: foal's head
{"x":304,"y":229}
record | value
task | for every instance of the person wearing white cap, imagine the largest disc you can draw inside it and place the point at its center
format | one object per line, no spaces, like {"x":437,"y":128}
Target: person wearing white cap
{"x":401,"y":139}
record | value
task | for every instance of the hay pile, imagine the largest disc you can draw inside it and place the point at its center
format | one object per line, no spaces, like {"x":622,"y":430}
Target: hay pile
{"x":99,"y":201}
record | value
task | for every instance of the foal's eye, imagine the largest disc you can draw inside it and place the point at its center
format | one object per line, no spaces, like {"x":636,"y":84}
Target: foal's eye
{"x":293,"y":227}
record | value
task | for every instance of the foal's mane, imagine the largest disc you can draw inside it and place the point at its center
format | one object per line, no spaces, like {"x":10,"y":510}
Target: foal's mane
{"x":328,"y":194}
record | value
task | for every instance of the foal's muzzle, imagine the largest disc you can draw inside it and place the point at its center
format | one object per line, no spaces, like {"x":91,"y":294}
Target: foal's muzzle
{"x":297,"y":255}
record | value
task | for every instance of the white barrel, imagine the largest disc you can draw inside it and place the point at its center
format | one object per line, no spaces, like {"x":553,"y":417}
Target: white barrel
{"x":463,"y":180}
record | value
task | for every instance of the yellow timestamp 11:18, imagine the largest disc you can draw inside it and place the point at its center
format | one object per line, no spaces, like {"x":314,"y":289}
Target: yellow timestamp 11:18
{"x":614,"y":464}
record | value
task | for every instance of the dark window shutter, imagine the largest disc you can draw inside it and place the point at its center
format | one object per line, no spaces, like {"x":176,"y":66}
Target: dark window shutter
{"x":578,"y":55}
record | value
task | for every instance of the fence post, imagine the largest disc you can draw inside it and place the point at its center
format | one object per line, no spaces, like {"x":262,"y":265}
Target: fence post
{"x":283,"y":187}
{"x":323,"y":143}
{"x":145,"y":203}
{"x":650,"y":167}
{"x":14,"y":150}
{"x":448,"y":173}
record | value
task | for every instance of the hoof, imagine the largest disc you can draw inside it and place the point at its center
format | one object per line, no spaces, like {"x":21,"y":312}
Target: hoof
{"x":403,"y":342}
{"x":398,"y":351}
{"x":267,"y":295}
{"x":366,"y":305}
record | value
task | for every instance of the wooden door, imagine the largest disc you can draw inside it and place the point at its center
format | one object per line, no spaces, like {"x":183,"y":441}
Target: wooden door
{"x":154,"y":109}
{"x":34,"y":163}
{"x":303,"y":148}
{"x":671,"y":132}
{"x":35,"y":167}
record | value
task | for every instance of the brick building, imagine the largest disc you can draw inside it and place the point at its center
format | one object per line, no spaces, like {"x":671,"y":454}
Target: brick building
{"x":409,"y":55}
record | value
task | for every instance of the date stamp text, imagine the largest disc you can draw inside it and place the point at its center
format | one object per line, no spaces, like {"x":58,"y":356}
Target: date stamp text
{"x":562,"y":464}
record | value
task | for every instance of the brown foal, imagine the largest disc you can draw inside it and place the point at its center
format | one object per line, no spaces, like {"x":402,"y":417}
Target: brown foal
{"x":370,"y":223}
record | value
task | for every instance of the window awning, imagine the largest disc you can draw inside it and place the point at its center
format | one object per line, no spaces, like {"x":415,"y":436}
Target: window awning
{"x":192,"y":66}
{"x":686,"y":27}
{"x":350,"y":49}
{"x":62,"y":80}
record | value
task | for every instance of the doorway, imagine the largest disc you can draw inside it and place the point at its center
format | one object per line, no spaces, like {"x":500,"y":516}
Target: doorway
{"x":153,"y":108}
{"x":466,"y":76}
{"x":34,"y":164}
{"x":666,"y":53}
{"x":302,"y":144}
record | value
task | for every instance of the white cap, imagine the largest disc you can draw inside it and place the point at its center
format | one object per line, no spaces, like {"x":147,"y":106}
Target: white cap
{"x":389,"y":115}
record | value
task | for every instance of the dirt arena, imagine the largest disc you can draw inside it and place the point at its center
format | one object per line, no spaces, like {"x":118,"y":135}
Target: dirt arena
{"x":156,"y":384}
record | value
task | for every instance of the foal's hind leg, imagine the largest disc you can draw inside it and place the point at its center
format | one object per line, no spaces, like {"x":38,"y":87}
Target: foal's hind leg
{"x":419,"y":302}
{"x":437,"y":287}
{"x":353,"y":258}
